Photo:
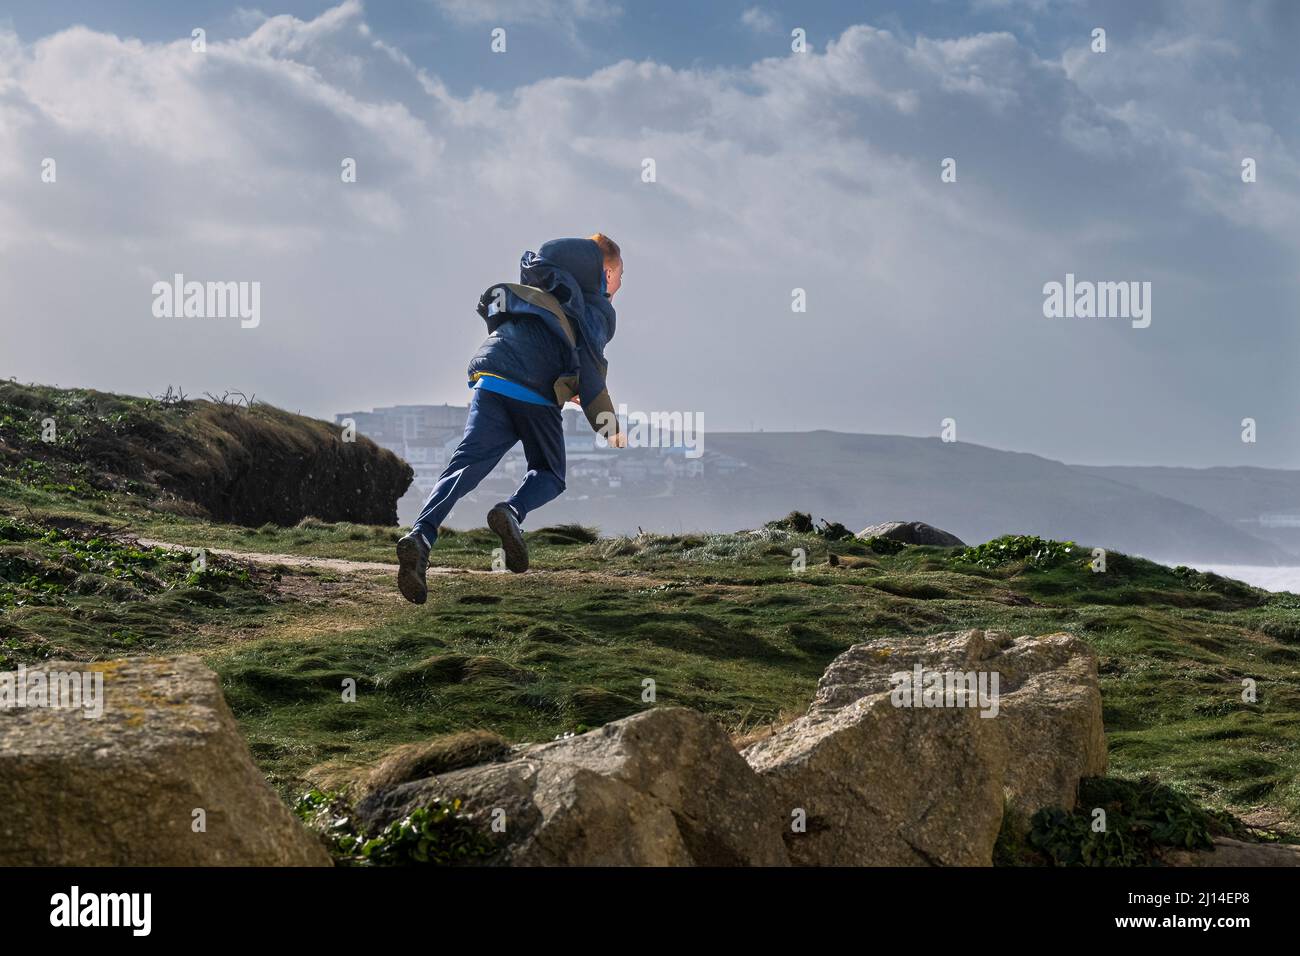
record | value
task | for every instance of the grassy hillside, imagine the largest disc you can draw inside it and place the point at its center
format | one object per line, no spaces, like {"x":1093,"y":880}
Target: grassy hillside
{"x":719,"y":622}
{"x":228,"y":459}
{"x":722,"y":623}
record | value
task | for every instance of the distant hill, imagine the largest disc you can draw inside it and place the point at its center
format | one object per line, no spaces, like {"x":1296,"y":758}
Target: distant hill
{"x":971,"y":490}
{"x":1258,"y":501}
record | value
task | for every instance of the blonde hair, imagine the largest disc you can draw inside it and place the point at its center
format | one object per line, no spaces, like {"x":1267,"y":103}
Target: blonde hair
{"x":608,"y":248}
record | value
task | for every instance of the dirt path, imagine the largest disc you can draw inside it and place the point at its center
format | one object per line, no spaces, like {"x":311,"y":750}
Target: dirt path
{"x":302,"y":561}
{"x":351,"y":567}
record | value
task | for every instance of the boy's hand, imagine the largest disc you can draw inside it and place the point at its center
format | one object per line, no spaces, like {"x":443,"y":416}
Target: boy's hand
{"x":618,"y":440}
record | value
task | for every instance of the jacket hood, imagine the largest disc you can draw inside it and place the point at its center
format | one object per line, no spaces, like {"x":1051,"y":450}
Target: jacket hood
{"x":581,"y":258}
{"x":573,"y":270}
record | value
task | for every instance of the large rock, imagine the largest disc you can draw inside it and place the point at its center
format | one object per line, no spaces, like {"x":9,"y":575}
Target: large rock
{"x":120,"y":789}
{"x":878,"y":785}
{"x":912,"y":532}
{"x":661,"y":788}
{"x":1049,"y":708}
{"x":873,"y":782}
{"x":883,"y":784}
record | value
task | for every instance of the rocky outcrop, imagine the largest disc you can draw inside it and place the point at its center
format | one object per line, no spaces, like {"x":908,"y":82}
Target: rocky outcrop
{"x":1048,"y":710}
{"x":261,"y":464}
{"x":912,"y":532}
{"x":911,"y":753}
{"x":161,"y":777}
{"x":860,"y":780}
{"x":876,"y":785}
{"x":661,"y":788}
{"x":243,"y":463}
{"x":887,"y":772}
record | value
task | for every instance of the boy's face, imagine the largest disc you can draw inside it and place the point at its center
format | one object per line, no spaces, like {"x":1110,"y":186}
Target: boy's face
{"x":613,"y":277}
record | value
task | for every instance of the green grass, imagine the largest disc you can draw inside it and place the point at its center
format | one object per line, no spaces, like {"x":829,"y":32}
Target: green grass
{"x":80,"y":594}
{"x":718,"y":622}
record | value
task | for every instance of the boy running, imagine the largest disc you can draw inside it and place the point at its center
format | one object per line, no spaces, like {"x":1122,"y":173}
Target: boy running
{"x":546,"y":346}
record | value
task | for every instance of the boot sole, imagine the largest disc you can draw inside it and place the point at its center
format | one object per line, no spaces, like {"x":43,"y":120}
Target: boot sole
{"x":409,"y":580}
{"x":512,"y":539}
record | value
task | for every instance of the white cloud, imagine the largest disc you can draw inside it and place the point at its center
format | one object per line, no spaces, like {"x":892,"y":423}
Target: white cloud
{"x":1192,"y":110}
{"x":818,"y":171}
{"x":286,"y":35}
{"x":760,"y":20}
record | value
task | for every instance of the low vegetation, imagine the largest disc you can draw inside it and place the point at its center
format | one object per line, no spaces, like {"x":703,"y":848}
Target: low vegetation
{"x":1200,"y":674}
{"x":1118,"y":822}
{"x":436,"y":835}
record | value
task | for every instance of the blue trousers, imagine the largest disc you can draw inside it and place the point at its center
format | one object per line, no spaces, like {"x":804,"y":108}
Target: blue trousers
{"x":495,"y":424}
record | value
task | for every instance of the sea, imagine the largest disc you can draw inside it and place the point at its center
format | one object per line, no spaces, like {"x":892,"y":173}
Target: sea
{"x":1270,"y":577}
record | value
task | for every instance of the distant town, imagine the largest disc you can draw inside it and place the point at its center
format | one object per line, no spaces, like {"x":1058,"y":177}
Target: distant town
{"x":425,"y":436}
{"x":1208,"y":516}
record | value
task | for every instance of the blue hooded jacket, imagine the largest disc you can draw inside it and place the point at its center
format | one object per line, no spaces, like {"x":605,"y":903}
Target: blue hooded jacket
{"x":527,"y":344}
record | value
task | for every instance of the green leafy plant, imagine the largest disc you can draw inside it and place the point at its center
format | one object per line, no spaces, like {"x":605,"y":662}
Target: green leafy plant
{"x":1028,"y":548}
{"x":13,"y":530}
{"x":1067,"y":839}
{"x":879,"y":545}
{"x":217,"y":579}
{"x":1141,"y":816}
{"x":796,"y":522}
{"x":834,"y":531}
{"x":329,"y":816}
{"x":436,"y":835}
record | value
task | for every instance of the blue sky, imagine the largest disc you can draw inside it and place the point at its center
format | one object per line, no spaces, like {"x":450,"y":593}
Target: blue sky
{"x":566,"y":38}
{"x":561,"y":37}
{"x":775,"y":171}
